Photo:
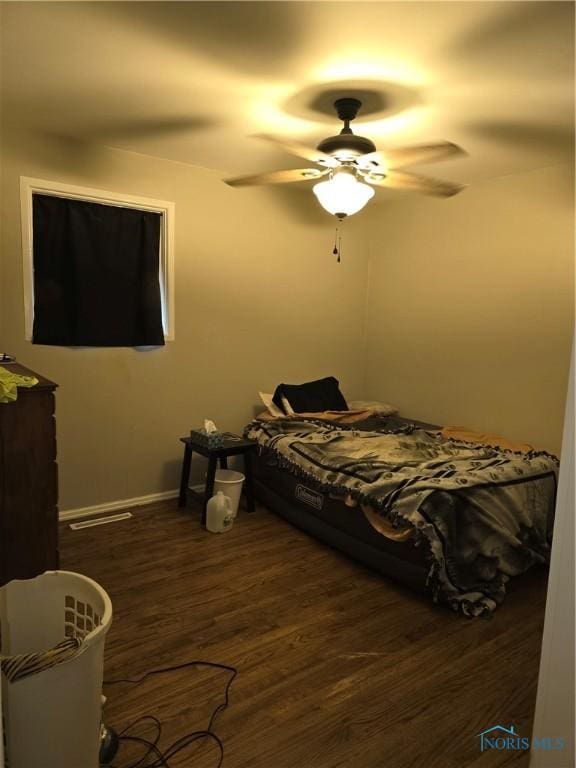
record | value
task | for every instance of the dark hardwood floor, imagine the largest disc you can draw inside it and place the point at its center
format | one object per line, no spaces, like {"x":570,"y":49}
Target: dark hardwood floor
{"x":337,"y":667}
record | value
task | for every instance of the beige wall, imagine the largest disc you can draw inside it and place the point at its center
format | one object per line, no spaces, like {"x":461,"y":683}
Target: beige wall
{"x":259,"y":299}
{"x":466,"y":317}
{"x":470,"y":305}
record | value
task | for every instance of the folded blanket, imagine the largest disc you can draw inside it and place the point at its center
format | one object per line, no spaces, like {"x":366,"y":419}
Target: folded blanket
{"x":485,"y":438}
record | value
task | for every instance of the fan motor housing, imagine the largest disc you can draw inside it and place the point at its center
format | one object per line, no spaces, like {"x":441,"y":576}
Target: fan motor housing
{"x":349,"y":143}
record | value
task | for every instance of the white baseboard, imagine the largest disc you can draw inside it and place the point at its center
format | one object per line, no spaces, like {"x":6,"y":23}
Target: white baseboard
{"x":112,"y":506}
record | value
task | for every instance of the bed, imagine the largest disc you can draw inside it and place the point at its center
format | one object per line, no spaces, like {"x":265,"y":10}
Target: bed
{"x":443,"y":511}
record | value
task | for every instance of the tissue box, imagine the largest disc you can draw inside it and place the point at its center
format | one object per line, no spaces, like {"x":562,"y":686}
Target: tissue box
{"x":212,"y":440}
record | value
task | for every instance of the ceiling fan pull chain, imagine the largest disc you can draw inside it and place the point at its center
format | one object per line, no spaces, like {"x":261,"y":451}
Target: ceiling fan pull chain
{"x":339,"y":248}
{"x":335,"y":252}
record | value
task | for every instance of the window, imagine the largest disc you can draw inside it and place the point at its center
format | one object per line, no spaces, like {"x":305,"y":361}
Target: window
{"x":98,"y":266}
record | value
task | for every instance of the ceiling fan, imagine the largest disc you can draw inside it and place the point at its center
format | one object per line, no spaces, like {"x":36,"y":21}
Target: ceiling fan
{"x":353,"y":166}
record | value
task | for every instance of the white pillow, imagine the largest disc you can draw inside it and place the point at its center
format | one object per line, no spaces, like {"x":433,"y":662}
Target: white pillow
{"x":380,"y":409}
{"x":271,"y":407}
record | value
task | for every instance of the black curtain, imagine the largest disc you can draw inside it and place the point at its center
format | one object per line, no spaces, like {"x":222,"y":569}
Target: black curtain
{"x":96,"y":280}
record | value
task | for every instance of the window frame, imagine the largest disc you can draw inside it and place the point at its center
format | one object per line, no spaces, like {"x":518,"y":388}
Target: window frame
{"x":30,"y":186}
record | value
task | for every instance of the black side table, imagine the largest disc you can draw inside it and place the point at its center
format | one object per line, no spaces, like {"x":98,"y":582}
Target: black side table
{"x":230,"y":447}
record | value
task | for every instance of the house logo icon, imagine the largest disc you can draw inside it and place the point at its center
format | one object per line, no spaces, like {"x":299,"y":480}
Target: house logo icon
{"x":500,"y":737}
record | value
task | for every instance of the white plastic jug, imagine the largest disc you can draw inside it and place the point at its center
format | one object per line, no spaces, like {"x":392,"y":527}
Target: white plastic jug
{"x":219,"y":513}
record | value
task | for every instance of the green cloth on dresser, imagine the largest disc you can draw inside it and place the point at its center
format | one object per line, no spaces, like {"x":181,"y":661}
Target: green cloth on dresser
{"x":9,"y":383}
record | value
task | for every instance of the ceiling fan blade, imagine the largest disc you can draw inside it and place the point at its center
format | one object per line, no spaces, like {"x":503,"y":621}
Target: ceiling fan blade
{"x":420,"y":153}
{"x":277,"y":177}
{"x":413,"y":183}
{"x":301,"y":150}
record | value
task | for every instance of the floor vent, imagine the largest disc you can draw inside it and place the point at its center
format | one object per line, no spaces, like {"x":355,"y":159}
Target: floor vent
{"x":100,"y":521}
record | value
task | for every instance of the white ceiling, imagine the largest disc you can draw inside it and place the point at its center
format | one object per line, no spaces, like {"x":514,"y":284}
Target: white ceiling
{"x":191,"y":81}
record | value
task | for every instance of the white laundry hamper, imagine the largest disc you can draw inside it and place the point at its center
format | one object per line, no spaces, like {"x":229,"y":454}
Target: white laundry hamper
{"x":52,"y":633}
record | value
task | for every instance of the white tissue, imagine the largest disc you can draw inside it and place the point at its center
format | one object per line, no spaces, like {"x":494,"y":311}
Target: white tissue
{"x":209,"y":427}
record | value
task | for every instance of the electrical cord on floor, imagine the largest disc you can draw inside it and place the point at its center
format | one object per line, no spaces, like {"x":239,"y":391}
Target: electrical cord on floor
{"x":152,"y":746}
{"x":161,"y":758}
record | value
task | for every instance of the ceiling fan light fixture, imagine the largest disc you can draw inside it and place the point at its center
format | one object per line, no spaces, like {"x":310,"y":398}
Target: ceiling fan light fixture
{"x":343,"y":195}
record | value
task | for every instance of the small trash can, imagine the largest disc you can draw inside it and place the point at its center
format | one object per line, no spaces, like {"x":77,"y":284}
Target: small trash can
{"x":53,"y":629}
{"x":230,"y":483}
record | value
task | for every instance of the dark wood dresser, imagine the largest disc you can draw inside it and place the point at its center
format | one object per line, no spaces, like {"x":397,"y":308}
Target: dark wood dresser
{"x":28,"y":481}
